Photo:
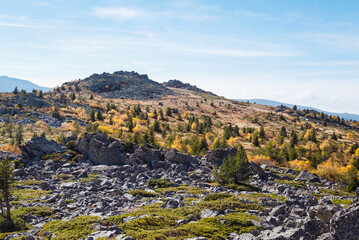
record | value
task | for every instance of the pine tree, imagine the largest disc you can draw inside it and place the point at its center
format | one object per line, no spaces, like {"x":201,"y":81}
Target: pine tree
{"x":233,"y":170}
{"x":19,"y":135}
{"x":41,"y":95}
{"x":99,"y":115}
{"x":92,"y":115}
{"x":16,"y":91}
{"x":6,"y":180}
{"x":283,"y":132}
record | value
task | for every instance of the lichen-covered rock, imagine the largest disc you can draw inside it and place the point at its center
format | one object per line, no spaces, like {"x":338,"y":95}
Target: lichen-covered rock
{"x":345,"y":223}
{"x":307,"y":176}
{"x":38,"y":147}
{"x":101,"y":150}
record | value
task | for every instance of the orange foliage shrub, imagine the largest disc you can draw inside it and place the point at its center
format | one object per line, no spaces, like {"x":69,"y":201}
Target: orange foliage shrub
{"x":299,"y":165}
{"x":10,"y":148}
{"x":331,"y":170}
{"x":261,"y":159}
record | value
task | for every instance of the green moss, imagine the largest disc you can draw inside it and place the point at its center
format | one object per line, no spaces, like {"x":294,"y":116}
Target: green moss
{"x":28,"y":182}
{"x":296,"y":184}
{"x":182,"y":187}
{"x":73,"y":229}
{"x":290,"y":176}
{"x":334,"y":192}
{"x":89,"y":178}
{"x":342,"y":201}
{"x":36,"y":211}
{"x":143,"y":193}
{"x":256,"y":196}
{"x":159,"y":183}
{"x":56,"y":157}
{"x":217,"y":196}
{"x":243,"y":187}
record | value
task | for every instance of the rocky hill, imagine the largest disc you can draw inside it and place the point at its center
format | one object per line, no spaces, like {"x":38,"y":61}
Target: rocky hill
{"x":178,"y":84}
{"x":91,"y":165}
{"x":124,"y":85}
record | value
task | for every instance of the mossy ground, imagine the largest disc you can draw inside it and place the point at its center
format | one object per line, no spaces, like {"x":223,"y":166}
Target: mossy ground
{"x":155,"y":222}
{"x":73,"y":229}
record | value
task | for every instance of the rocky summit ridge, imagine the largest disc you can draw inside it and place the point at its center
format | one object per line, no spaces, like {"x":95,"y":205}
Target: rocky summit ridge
{"x":124,"y":85}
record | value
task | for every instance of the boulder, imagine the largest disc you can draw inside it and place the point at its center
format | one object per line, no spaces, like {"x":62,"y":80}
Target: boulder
{"x":256,"y":169}
{"x":307,"y":176}
{"x":145,"y":155}
{"x":175,"y":157}
{"x":101,"y":150}
{"x":216,"y":156}
{"x":345,"y":223}
{"x":38,"y":147}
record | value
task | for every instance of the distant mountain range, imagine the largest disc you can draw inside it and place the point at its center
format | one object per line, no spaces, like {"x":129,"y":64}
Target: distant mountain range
{"x":346,"y":116}
{"x":8,"y":84}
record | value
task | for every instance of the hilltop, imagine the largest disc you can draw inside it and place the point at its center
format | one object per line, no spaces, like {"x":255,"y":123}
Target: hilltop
{"x":119,"y":156}
{"x":178,"y":84}
{"x":124,"y":85}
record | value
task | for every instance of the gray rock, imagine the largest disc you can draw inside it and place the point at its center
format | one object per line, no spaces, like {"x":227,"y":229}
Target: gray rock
{"x":175,"y":157}
{"x":101,"y":150}
{"x":206,"y":213}
{"x":216,"y":156}
{"x":19,"y":172}
{"x":38,"y":147}
{"x":259,"y":171}
{"x":307,"y":176}
{"x":173,"y":203}
{"x":345,"y":223}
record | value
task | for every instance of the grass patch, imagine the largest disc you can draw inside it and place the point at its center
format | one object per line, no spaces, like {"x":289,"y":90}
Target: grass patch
{"x":143,"y":193}
{"x":159,"y":223}
{"x":182,"y":187}
{"x":74,"y":229}
{"x":216,"y":196}
{"x":90,"y":177}
{"x":296,"y":184}
{"x":256,"y":196}
{"x":29,"y":194}
{"x":28,"y":182}
{"x":288,"y":175}
{"x":335,"y":192}
{"x":159,"y":183}
{"x":243,"y":187}
{"x":342,"y":201}
{"x":36,"y":211}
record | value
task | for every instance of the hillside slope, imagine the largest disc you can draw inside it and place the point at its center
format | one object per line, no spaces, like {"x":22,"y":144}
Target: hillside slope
{"x":8,"y":84}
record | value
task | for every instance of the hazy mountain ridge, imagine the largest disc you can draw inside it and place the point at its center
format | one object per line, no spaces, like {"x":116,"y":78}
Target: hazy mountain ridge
{"x":346,"y":116}
{"x":8,"y":84}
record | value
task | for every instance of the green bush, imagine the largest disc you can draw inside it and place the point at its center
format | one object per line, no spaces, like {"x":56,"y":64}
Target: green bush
{"x":143,"y":193}
{"x":234,"y":169}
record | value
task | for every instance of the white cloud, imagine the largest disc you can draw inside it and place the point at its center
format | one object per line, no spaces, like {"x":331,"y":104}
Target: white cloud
{"x":120,"y":13}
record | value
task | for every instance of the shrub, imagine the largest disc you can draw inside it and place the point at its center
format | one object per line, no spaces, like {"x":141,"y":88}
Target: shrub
{"x":143,"y":193}
{"x":159,"y":183}
{"x":234,"y":169}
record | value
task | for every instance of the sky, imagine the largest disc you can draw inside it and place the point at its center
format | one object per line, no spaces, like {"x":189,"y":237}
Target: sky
{"x":294,"y":51}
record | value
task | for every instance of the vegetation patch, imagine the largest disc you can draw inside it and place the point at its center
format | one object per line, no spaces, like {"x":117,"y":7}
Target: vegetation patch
{"x":90,"y":177}
{"x":143,"y":193}
{"x":36,"y":211}
{"x":73,"y":229}
{"x":29,"y":194}
{"x":296,"y":184}
{"x":336,"y":192}
{"x":216,"y":196}
{"x":159,"y":183}
{"x":182,"y":187}
{"x":342,"y":201}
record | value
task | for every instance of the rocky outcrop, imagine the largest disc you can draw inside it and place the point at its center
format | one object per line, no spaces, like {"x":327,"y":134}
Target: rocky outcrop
{"x":345,"y":223}
{"x":125,"y":85}
{"x":38,"y":147}
{"x":174,"y":156}
{"x":216,"y":156}
{"x":101,"y":150}
{"x":178,"y":84}
{"x":307,"y":176}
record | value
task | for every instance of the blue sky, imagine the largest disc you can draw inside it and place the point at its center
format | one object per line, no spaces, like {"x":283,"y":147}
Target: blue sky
{"x":302,"y":52}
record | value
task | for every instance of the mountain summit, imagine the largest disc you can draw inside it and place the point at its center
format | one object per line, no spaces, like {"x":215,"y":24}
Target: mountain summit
{"x":124,"y":85}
